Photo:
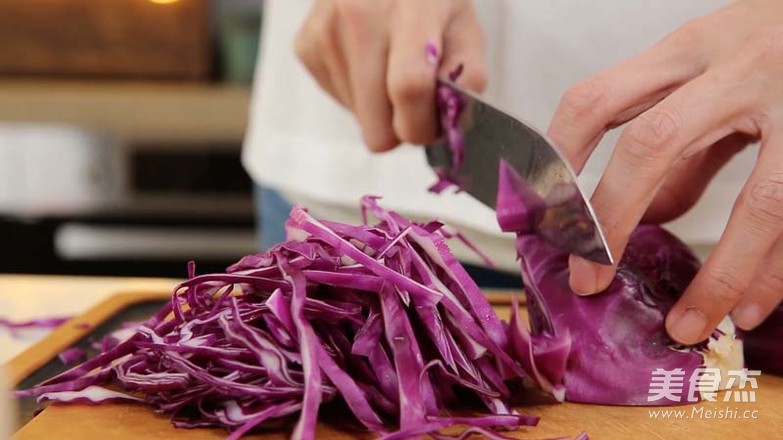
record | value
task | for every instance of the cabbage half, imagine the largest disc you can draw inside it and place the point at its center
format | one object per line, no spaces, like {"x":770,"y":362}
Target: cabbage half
{"x":604,"y":348}
{"x":762,"y":344}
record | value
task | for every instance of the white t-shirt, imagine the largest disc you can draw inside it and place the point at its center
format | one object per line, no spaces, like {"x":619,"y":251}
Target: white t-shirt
{"x":304,"y":144}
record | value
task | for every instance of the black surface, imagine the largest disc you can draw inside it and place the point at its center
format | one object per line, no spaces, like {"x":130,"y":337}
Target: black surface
{"x":28,"y":248}
{"x":210,"y":171}
{"x":138,"y":312}
{"x":156,"y":172}
{"x":487,"y":278}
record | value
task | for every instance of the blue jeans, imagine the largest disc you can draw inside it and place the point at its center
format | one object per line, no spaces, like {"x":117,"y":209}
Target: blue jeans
{"x":272,"y":211}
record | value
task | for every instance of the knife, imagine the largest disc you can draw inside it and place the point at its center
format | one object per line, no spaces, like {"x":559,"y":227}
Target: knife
{"x":491,"y":136}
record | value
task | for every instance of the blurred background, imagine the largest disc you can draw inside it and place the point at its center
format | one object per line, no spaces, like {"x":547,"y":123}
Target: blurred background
{"x":121,"y":124}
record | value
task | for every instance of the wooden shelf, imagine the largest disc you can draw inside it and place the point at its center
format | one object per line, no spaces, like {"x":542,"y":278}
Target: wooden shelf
{"x":140,"y":112}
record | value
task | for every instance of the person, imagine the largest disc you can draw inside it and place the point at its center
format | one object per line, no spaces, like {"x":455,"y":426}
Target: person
{"x":657,"y":99}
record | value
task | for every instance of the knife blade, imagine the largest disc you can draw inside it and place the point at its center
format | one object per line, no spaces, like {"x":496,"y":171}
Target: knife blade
{"x":491,"y":136}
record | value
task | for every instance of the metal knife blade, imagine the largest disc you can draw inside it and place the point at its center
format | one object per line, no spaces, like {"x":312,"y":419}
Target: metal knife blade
{"x":491,"y":136}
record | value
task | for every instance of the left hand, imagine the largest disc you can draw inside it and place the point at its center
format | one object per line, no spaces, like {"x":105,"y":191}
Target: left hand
{"x":691,"y":102}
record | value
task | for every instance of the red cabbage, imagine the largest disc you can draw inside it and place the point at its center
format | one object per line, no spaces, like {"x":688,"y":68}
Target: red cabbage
{"x":603,"y":348}
{"x":762,"y":344}
{"x":450,"y":106}
{"x":432,"y":54}
{"x":72,"y":355}
{"x":380,"y":319}
{"x":41,"y":323}
{"x":519,"y":208}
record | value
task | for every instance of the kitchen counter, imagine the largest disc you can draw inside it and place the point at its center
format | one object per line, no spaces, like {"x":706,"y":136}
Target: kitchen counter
{"x":25,"y":297}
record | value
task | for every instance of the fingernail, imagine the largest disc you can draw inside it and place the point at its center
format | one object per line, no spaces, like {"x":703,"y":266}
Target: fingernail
{"x":583,"y":277}
{"x":747,"y":316}
{"x":689,"y":327}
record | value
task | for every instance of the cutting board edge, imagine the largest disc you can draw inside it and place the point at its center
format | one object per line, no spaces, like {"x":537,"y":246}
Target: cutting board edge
{"x":27,"y":362}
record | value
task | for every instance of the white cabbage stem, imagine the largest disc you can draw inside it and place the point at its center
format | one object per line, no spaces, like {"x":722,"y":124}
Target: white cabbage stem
{"x":725,"y":352}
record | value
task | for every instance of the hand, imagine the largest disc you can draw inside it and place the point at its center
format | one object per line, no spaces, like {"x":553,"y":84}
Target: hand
{"x":691,"y":102}
{"x":372,"y":57}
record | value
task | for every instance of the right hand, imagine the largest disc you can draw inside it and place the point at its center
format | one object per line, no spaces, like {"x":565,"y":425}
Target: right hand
{"x":371,"y":56}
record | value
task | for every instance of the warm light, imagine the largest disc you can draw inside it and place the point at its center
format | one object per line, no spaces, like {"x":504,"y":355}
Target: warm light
{"x":163,"y":2}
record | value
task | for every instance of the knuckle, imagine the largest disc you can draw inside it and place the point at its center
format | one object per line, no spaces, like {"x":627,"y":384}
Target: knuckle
{"x":689,"y":36}
{"x":583,"y":97}
{"x":764,"y":200}
{"x":770,"y":281}
{"x":647,"y":138}
{"x":770,"y":46}
{"x":414,"y":131}
{"x":378,"y":134}
{"x":475,"y":78}
{"x":655,"y":128}
{"x":353,"y":12}
{"x":380,"y":142}
{"x":302,"y":47}
{"x":756,"y":123}
{"x":408,"y":87}
{"x":725,"y":287}
{"x":307,"y":40}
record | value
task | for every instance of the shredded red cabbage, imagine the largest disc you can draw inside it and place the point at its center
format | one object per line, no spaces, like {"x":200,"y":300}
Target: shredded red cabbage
{"x":450,"y":106}
{"x":71,"y":356}
{"x":42,"y":323}
{"x":380,"y":319}
{"x":432,"y":53}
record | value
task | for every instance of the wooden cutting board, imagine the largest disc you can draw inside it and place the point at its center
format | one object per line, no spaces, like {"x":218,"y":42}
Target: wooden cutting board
{"x":130,"y":421}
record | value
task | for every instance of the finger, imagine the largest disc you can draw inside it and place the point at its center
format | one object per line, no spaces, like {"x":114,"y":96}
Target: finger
{"x":411,"y":75}
{"x":320,"y":72}
{"x":336,"y":64}
{"x":465,"y":46}
{"x":688,"y":179}
{"x":316,"y":45}
{"x":645,"y":152}
{"x":308,"y":48}
{"x":765,"y":291}
{"x":755,"y":225}
{"x":621,"y":93}
{"x":366,"y":47}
